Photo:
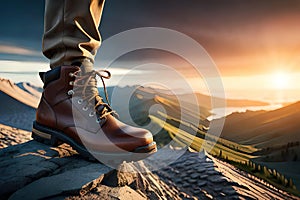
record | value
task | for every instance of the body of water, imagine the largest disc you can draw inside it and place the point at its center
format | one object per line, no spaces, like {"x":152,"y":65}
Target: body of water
{"x":219,"y":112}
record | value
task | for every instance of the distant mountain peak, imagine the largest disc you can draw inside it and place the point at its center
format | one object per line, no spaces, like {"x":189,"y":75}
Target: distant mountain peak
{"x":27,"y":95}
{"x":6,"y":81}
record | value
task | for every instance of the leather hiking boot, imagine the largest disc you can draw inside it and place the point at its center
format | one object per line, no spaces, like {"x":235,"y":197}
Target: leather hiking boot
{"x":71,"y":111}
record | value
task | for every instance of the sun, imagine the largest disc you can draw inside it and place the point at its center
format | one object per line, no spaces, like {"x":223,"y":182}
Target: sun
{"x":280,"y":80}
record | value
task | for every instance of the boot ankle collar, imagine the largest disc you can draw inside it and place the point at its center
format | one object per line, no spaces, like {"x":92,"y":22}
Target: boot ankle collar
{"x":50,"y":75}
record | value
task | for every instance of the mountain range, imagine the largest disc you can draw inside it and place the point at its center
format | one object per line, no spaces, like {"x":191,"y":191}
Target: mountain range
{"x":264,"y":128}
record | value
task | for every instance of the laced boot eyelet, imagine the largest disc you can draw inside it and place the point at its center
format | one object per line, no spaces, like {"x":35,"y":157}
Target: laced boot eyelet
{"x":70,"y":92}
{"x":98,"y":120}
{"x":92,"y":114}
{"x":71,"y":83}
{"x":79,"y":101}
{"x":71,"y":74}
{"x":85,"y":108}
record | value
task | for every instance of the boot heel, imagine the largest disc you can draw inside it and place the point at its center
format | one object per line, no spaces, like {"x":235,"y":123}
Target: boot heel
{"x":45,"y":138}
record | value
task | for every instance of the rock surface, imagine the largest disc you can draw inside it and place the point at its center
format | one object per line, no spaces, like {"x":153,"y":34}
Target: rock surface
{"x":128,"y":178}
{"x":12,"y":136}
{"x":32,"y":170}
{"x":198,"y":177}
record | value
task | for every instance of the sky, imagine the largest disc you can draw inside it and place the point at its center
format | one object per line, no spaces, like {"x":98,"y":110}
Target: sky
{"x":254,"y":44}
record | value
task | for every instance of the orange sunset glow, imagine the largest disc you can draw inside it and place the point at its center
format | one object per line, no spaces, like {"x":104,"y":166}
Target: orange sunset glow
{"x":254,"y":44}
{"x":204,"y":94}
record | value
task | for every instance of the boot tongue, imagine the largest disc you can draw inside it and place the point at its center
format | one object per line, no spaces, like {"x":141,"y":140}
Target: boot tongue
{"x":86,"y":66}
{"x":92,"y":89}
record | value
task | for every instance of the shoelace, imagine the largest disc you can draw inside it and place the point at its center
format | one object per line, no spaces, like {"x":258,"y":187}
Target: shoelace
{"x":87,"y":84}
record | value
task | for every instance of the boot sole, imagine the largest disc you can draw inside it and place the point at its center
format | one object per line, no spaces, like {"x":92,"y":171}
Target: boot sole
{"x":53,"y":137}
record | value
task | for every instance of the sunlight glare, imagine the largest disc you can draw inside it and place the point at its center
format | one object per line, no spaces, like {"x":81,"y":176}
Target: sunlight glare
{"x":280,"y":80}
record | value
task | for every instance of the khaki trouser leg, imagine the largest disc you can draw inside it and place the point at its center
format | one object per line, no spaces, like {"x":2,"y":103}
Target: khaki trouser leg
{"x":71,"y":30}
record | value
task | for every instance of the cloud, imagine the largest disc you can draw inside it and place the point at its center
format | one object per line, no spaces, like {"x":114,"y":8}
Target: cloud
{"x":8,"y":49}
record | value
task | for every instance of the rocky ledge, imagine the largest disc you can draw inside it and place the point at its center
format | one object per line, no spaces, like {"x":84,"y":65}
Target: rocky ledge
{"x":32,"y":170}
{"x":35,"y":171}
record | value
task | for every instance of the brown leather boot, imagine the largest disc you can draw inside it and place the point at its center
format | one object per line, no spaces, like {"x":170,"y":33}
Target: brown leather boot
{"x":71,"y":111}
